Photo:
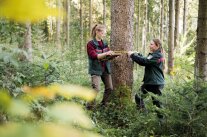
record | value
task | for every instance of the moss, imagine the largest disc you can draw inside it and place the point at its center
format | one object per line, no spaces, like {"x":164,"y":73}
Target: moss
{"x":121,"y":96}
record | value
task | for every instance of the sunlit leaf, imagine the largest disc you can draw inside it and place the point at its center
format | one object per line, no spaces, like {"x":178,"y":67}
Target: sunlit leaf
{"x":39,"y":92}
{"x":70,"y":113}
{"x":26,"y":10}
{"x":69,"y":91}
{"x":42,"y":130}
{"x":89,"y":134}
{"x":20,"y":130}
{"x":52,"y":130}
{"x":19,"y":108}
{"x":5,"y":100}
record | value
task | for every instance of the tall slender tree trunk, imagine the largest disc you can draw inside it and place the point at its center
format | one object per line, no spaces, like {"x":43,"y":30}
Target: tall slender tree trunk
{"x":67,"y":22}
{"x":201,"y":48}
{"x":28,"y":41}
{"x":90,"y":16}
{"x":81,"y":25}
{"x":104,"y":12}
{"x":121,"y":40}
{"x":177,"y":14}
{"x":171,"y":36}
{"x":137,"y":25}
{"x":144,"y":29}
{"x":184,"y":16}
{"x":166,"y":21}
{"x":161,"y":19}
{"x":58,"y":41}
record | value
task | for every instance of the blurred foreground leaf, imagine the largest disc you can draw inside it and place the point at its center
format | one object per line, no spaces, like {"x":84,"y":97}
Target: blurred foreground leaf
{"x":42,"y":130}
{"x":67,"y":91}
{"x":5,"y":100}
{"x":70,"y":113}
{"x":19,"y":108}
{"x":26,"y":10}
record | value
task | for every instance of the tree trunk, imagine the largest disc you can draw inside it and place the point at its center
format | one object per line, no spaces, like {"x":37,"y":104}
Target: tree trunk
{"x":81,"y":25}
{"x":171,"y":36}
{"x":58,"y":41}
{"x":137,"y":26}
{"x":104,"y":12}
{"x":184,"y":16}
{"x":28,"y":42}
{"x":90,"y":16}
{"x":67,"y":22}
{"x":144,"y":29}
{"x":161,"y":19}
{"x":201,"y":48}
{"x":177,"y":14}
{"x":121,"y":40}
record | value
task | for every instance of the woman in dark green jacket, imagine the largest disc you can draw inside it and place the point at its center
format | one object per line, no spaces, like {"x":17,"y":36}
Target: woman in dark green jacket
{"x":153,"y":77}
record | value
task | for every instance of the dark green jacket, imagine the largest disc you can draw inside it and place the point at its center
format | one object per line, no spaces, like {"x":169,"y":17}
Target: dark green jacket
{"x":153,"y":67}
{"x":95,"y":65}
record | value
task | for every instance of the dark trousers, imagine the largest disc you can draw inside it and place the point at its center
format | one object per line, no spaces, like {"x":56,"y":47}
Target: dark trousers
{"x":156,"y":89}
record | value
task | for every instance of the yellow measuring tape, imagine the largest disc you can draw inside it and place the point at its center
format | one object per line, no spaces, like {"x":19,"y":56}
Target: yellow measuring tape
{"x":120,"y":52}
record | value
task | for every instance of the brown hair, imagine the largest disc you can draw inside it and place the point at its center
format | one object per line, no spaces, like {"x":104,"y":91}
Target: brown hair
{"x":158,"y":43}
{"x":97,"y":27}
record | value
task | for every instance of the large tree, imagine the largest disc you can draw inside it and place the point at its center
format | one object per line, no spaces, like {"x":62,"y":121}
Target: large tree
{"x":201,"y":48}
{"x":121,"y":40}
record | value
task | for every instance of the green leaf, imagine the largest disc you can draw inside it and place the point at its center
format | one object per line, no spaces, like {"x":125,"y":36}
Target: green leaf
{"x":46,"y":66}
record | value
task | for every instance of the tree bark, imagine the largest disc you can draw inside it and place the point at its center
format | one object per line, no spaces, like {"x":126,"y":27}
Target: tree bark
{"x":171,"y":37}
{"x":104,"y":12}
{"x":184,"y":16}
{"x":121,"y":40}
{"x":28,"y":42}
{"x":177,"y":14}
{"x":137,"y":25}
{"x":58,"y":41}
{"x":161,"y":19}
{"x":81,"y":25}
{"x":90,"y":16}
{"x":201,"y":48}
{"x":144,"y":29}
{"x":68,"y":22}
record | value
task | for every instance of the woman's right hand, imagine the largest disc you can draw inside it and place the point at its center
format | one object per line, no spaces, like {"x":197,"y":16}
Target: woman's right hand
{"x":109,"y":53}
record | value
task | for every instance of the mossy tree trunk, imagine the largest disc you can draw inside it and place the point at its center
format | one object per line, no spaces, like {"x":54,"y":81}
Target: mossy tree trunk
{"x":121,"y":40}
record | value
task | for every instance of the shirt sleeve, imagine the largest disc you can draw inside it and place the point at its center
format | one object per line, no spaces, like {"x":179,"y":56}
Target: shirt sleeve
{"x":91,"y":51}
{"x":144,"y":61}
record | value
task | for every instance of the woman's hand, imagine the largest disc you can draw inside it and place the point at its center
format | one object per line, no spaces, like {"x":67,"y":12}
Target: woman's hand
{"x":109,"y":53}
{"x":130,"y":53}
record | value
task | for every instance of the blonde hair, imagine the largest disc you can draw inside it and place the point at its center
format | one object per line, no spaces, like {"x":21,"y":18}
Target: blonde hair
{"x":97,"y":27}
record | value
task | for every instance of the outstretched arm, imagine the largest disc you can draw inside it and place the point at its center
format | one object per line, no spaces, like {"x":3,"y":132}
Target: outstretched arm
{"x":144,"y":61}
